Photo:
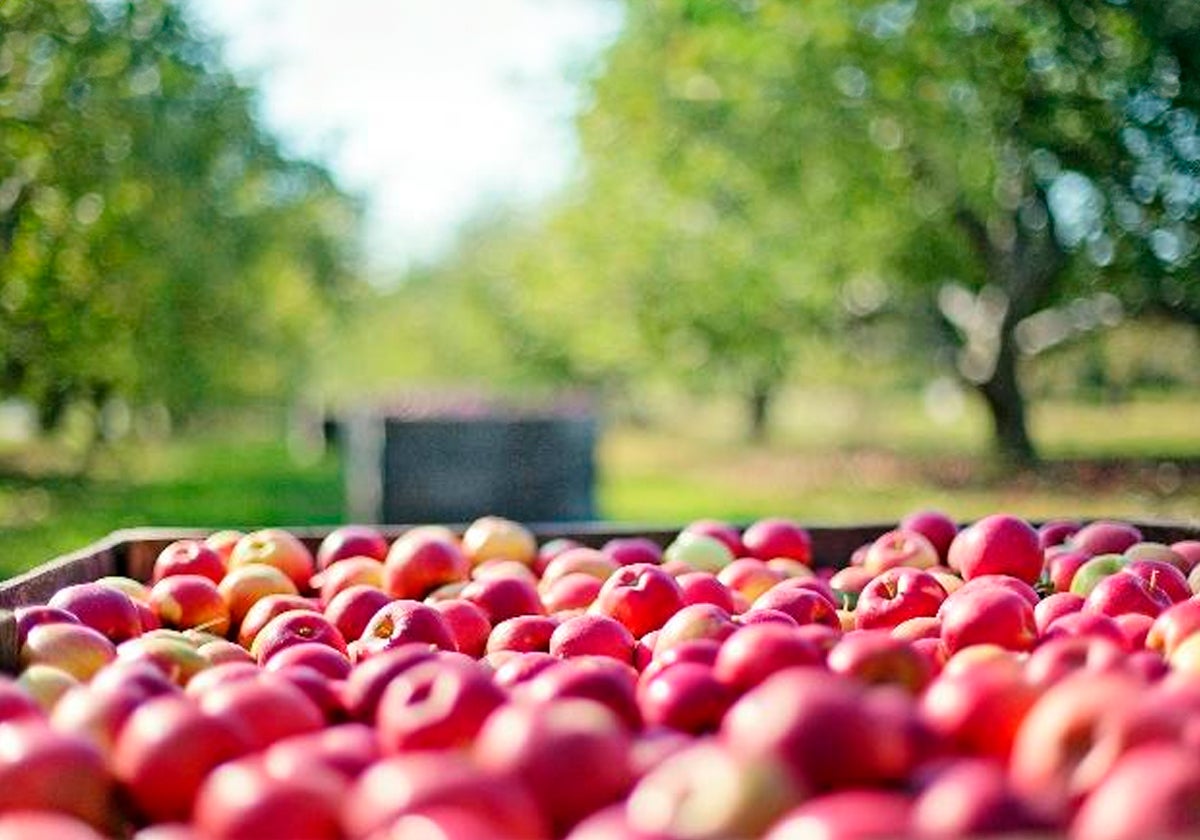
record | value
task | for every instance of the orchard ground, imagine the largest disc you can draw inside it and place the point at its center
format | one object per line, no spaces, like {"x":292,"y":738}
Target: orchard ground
{"x":835,"y":458}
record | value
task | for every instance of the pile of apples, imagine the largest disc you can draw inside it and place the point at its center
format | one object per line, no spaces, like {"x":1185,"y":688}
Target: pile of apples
{"x":998,"y":679}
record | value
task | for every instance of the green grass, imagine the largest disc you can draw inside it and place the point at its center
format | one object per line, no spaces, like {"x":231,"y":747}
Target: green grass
{"x":835,"y":458}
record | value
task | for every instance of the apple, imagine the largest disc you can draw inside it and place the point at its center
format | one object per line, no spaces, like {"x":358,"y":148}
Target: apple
{"x":346,"y":749}
{"x":805,"y":605}
{"x":998,"y":545}
{"x":522,"y":633}
{"x":220,"y":650}
{"x":703,"y":790}
{"x":351,"y":541}
{"x":918,"y":628}
{"x":551,"y":549}
{"x":1057,"y":658}
{"x":1189,"y":550}
{"x":589,"y":561}
{"x":773,"y":537}
{"x":988,"y":616}
{"x":1085,"y":623}
{"x":74,"y":648}
{"x":696,"y":621}
{"x":223,"y":542}
{"x":243,"y":587}
{"x":631,"y":551}
{"x":592,"y":635}
{"x":468,"y":625}
{"x":174,"y":656}
{"x":1160,"y":553}
{"x":353,"y":571}
{"x":46,"y":825}
{"x":875,"y":657}
{"x":295,"y":627}
{"x":704,"y":588}
{"x":1056,"y":532}
{"x":32,"y":616}
{"x":849,"y":814}
{"x":370,"y":679}
{"x":585,"y":679}
{"x":1062,"y":566}
{"x":353,"y":608}
{"x":897,"y":595}
{"x":141,"y":677}
{"x":243,"y":799}
{"x":42,"y":769}
{"x":265,"y":610}
{"x":899,"y":548}
{"x":45,"y":685}
{"x":399,"y":623}
{"x":698,"y":552}
{"x":1123,"y":592}
{"x":494,"y":537}
{"x":166,"y":749}
{"x":276,"y":548}
{"x":419,"y":563}
{"x":1160,"y":576}
{"x":933,"y":525}
{"x":189,"y":557}
{"x":973,"y":798}
{"x":685,"y":696}
{"x":103,"y":608}
{"x":1053,"y":607}
{"x":640,"y":596}
{"x":522,"y":667}
{"x":1173,"y":625}
{"x":182,"y":601}
{"x":267,"y":708}
{"x":978,"y":710}
{"x":749,"y":576}
{"x":1095,"y":570}
{"x":1135,"y":627}
{"x":718,"y":529}
{"x":574,"y":591}
{"x":435,"y":705}
{"x":1105,"y":537}
{"x":543,"y":746}
{"x":503,"y":598}
{"x":1125,"y":807}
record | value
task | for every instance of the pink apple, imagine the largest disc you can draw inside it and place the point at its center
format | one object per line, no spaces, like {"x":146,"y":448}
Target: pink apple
{"x":988,"y":616}
{"x":266,"y":708}
{"x":971,"y":798}
{"x":805,"y":605}
{"x":522,"y":633}
{"x":468,"y":625}
{"x":243,"y":587}
{"x":1124,"y":592}
{"x":1053,"y":607}
{"x":1189,"y":550}
{"x":265,"y":610}
{"x":588,"y":561}
{"x":1105,"y":537}
{"x":438,"y":704}
{"x":75,"y":648}
{"x":325,"y":659}
{"x":897,"y":595}
{"x":770,"y":538}
{"x":45,"y":770}
{"x":108,"y":610}
{"x":998,"y":544}
{"x":352,"y":609}
{"x":592,"y":635}
{"x":183,"y":601}
{"x":1056,"y":532}
{"x":575,"y":591}
{"x":351,"y":541}
{"x":503,"y":598}
{"x":369,"y":679}
{"x":696,"y":621}
{"x":1162,"y":576}
{"x":631,"y":551}
{"x":400,"y":623}
{"x":900,"y":548}
{"x":750,"y":576}
{"x":1061,"y":567}
{"x":685,"y":696}
{"x":353,"y":571}
{"x":722,"y":531}
{"x":601,"y":680}
{"x":876,"y":657}
{"x":189,"y":557}
{"x":705,"y":588}
{"x":848,"y":814}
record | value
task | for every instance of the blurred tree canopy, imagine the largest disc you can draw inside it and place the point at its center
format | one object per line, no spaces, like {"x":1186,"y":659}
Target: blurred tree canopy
{"x":996,"y":176}
{"x":156,"y":245}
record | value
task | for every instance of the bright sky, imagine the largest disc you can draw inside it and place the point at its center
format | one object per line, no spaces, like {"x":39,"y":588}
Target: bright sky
{"x":430,"y":109}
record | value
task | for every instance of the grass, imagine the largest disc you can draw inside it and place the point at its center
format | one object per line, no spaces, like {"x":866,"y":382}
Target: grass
{"x":836,"y":458}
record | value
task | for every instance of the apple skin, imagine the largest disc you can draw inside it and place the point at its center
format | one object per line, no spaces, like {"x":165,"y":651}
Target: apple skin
{"x":519,"y":669}
{"x":277,"y":548}
{"x":1096,"y":569}
{"x":874,"y":657}
{"x":189,"y":557}
{"x":418,"y":564}
{"x":346,"y":749}
{"x":1061,"y":567}
{"x":30,"y":617}
{"x":42,"y":769}
{"x":685,"y":696}
{"x":504,"y":598}
{"x":223,"y":542}
{"x":1085,"y":623}
{"x":769,"y":538}
{"x":547,"y":551}
{"x":705,"y":588}
{"x":420,"y":782}
{"x":183,"y":601}
{"x":352,"y":609}
{"x":436,"y":705}
{"x":45,"y":685}
{"x":974,"y":798}
{"x":543,"y":746}
{"x":1105,"y":537}
{"x":703,"y":790}
{"x":998,"y":545}
{"x":750,"y":576}
{"x":696,"y":621}
{"x":75,"y":648}
{"x":400,"y":623}
{"x":370,"y":679}
{"x":468,"y":625}
{"x":988,"y":616}
{"x":633,"y":551}
{"x":1122,"y":593}
{"x":242,"y":799}
{"x":847,"y":815}
{"x":899,"y":548}
{"x":805,"y":605}
{"x":522,"y":633}
{"x":243,"y":587}
{"x":723,"y":531}
{"x":1161,"y":576}
{"x":933,"y":525}
{"x":1189,"y":550}
{"x":16,"y":703}
{"x":47,"y":825}
{"x":575,"y":591}
{"x":1055,"y":532}
{"x":1135,"y":627}
{"x":979,"y":710}
{"x":592,"y":635}
{"x":896,"y":595}
{"x":600,"y":680}
{"x":1053,"y":607}
{"x":165,"y":750}
{"x":108,"y":610}
{"x":1125,"y":807}
{"x":351,"y":541}
{"x":640,"y":596}
{"x":353,"y":571}
{"x":97,"y":714}
{"x":494,"y":537}
{"x":1173,"y":625}
{"x":267,"y":609}
{"x":588,"y":561}
{"x":1058,"y":658}
{"x":698,"y":552}
{"x":326,"y":660}
{"x":267,"y":708}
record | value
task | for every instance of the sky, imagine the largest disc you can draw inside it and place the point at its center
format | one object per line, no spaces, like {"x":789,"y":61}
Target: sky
{"x":432,"y":110}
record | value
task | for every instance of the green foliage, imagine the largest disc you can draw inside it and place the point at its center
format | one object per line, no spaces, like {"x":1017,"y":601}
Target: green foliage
{"x":155,"y":243}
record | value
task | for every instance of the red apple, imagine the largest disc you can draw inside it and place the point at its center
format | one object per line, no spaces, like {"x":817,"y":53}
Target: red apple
{"x":346,"y":749}
{"x":847,"y":815}
{"x":503,"y":598}
{"x":295,"y":627}
{"x":46,"y":825}
{"x":223,"y":542}
{"x":399,"y":623}
{"x":1060,"y":657}
{"x":900,"y":548}
{"x":522,"y":633}
{"x":979,"y":710}
{"x":1053,"y":607}
{"x":897,"y":595}
{"x":1056,"y":532}
{"x":102,"y":608}
{"x":435,"y":705}
{"x":45,"y":770}
{"x":1161,"y":576}
{"x":551,"y":549}
{"x":592,"y":635}
{"x":589,"y":561}
{"x":719,"y":530}
{"x":1189,"y":550}
{"x":973,"y":798}
{"x":805,"y":605}
{"x":243,"y":799}
{"x":1085,"y":623}
{"x":1172,"y":626}
{"x":1105,"y":537}
{"x":351,"y":541}
{"x":601,"y":680}
{"x":30,"y":617}
{"x":97,"y":714}
{"x":277,"y":548}
{"x":1125,"y":807}
{"x":370,"y":679}
{"x":696,"y":621}
{"x":243,"y":587}
{"x":419,"y":563}
{"x":325,"y":659}
{"x":750,"y":576}
{"x":267,"y":708}
{"x":1123,"y":592}
{"x":988,"y":616}
{"x":1061,"y":567}
{"x":633,"y":551}
{"x":1135,"y":627}
{"x":183,"y":601}
{"x":935,"y":526}
{"x":353,"y":571}
{"x":189,"y":557}
{"x":574,"y":591}
{"x":265,"y":610}
{"x":522,"y":667}
{"x":767,"y":539}
{"x":875,"y":657}
{"x":352,"y":609}
{"x":468,"y":624}
{"x":998,"y":545}
{"x":640,"y":596}
{"x":685,"y":696}
{"x":705,"y":588}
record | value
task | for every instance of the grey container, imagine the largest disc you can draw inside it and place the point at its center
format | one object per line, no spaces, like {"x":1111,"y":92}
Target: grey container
{"x":532,"y":468}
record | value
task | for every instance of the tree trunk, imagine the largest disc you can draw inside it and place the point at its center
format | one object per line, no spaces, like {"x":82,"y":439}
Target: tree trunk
{"x":758,"y":404}
{"x":1006,"y":404}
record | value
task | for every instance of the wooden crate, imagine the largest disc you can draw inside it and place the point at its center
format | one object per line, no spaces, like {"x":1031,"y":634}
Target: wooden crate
{"x":132,"y":553}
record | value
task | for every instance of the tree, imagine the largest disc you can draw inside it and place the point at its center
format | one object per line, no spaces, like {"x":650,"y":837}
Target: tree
{"x":155,"y":243}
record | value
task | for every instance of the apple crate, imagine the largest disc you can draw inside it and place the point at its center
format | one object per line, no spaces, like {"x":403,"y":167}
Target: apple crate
{"x":131,"y":552}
